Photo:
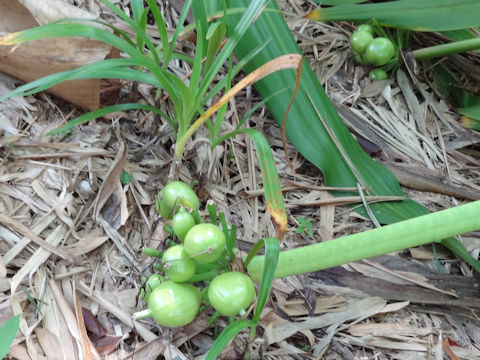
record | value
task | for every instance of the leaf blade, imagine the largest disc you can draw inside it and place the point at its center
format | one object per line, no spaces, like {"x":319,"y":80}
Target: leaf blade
{"x":227,"y":334}
{"x":418,"y":15}
{"x":8,"y":332}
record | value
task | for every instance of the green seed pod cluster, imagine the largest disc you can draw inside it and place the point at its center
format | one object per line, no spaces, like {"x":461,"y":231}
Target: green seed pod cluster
{"x":370,"y":50}
{"x":199,"y":259}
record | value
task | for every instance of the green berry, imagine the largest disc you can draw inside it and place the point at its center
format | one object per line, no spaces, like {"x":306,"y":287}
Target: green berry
{"x":177,"y":264}
{"x":231,"y":293}
{"x":148,"y":285}
{"x":360,"y":40}
{"x":205,"y":242}
{"x":365,"y":27}
{"x":379,"y":51}
{"x":182,"y":222}
{"x":173,"y":305}
{"x":377,"y":74}
{"x":173,"y":195}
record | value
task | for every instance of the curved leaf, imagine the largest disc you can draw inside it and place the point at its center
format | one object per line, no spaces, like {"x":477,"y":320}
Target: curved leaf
{"x":225,"y":337}
{"x":418,"y":15}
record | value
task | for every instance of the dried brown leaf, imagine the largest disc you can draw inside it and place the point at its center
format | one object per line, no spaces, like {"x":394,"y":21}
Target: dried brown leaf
{"x":87,"y":346}
{"x":150,"y":350}
{"x":359,"y":309}
{"x":111,"y":180}
{"x":388,"y":330}
{"x":105,"y":345}
{"x":40,"y":256}
{"x":49,"y":344}
{"x":92,"y":324}
{"x":33,"y":237}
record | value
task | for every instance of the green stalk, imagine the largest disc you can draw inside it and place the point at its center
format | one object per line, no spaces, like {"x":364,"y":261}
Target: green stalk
{"x":142,"y":314}
{"x":446,"y":49}
{"x":402,"y":235}
{"x":152,"y":252}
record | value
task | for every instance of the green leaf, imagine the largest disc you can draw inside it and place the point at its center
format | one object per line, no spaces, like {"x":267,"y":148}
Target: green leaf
{"x":137,"y":9}
{"x":68,"y":127}
{"x":225,"y":337}
{"x":8,"y":332}
{"x":162,"y":30}
{"x":472,"y":112}
{"x":178,"y":30}
{"x":125,"y":178}
{"x":142,"y":37}
{"x":253,"y":8}
{"x":66,"y":27}
{"x":461,"y":34}
{"x":448,"y":86}
{"x":468,"y":103}
{"x":216,"y":34}
{"x":201,"y":44}
{"x":272,"y":250}
{"x":271,"y":181}
{"x":418,"y":15}
{"x":114,"y":68}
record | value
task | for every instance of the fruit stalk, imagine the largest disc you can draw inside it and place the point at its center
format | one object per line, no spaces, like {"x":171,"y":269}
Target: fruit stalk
{"x":398,"y":236}
{"x":446,"y":49}
{"x":143,"y":314}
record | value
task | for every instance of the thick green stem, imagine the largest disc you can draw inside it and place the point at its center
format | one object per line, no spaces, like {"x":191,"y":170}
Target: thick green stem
{"x":447,"y":49}
{"x":142,"y":314}
{"x":402,"y":235}
{"x":152,"y":252}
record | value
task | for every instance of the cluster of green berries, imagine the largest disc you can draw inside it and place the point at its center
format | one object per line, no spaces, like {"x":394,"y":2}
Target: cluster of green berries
{"x":176,"y":301}
{"x":369,"y":50}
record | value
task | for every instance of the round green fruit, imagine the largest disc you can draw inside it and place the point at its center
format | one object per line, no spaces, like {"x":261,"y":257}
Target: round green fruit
{"x":173,"y":195}
{"x":365,"y":27}
{"x":147,"y":286}
{"x":205,"y":242}
{"x":182,"y":222}
{"x":231,"y":293}
{"x":357,"y":57}
{"x":360,"y":40}
{"x":379,"y":51}
{"x":173,"y":305}
{"x":177,"y":264}
{"x":377,"y":74}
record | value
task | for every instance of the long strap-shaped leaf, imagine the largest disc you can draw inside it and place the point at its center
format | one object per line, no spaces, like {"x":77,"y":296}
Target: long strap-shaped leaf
{"x":418,"y":15}
{"x":308,"y":133}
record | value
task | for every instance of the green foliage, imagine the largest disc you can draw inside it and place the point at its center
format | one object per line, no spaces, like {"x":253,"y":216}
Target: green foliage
{"x":418,"y":15}
{"x":8,"y":332}
{"x":147,"y":63}
{"x":304,"y":226}
{"x":272,"y":251}
{"x":468,"y":104}
{"x":315,"y":128}
{"x":225,"y":337}
{"x":125,"y":178}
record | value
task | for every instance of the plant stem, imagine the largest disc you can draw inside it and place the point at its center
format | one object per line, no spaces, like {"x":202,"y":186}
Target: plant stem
{"x":398,"y":236}
{"x":152,"y":252}
{"x":142,"y":314}
{"x":446,"y":49}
